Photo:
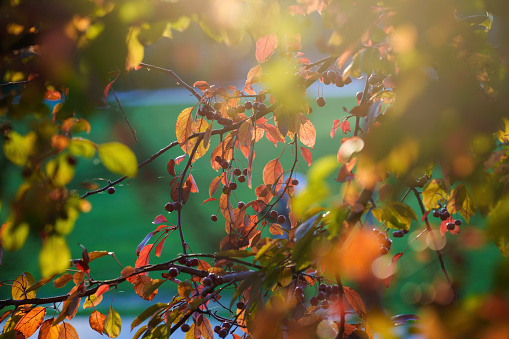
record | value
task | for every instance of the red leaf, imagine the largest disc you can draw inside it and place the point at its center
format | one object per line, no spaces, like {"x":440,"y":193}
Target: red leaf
{"x":52,"y":95}
{"x":345,"y":126}
{"x":209,"y":199}
{"x":307,"y":132}
{"x":102,"y":289}
{"x":273,"y":134}
{"x":391,"y":266}
{"x":136,"y":68}
{"x":179,"y":159}
{"x":170,"y":167}
{"x":306,"y":154}
{"x":143,"y":243}
{"x":202,"y":85}
{"x":334,"y":128}
{"x":82,"y":266}
{"x":273,"y":174}
{"x":159,"y":246}
{"x":425,"y":215}
{"x":159,"y":219}
{"x":159,"y":228}
{"x":443,"y":227}
{"x":265,"y":47}
{"x":108,"y":86}
{"x":192,"y":184}
{"x":304,"y":61}
{"x":144,"y":256}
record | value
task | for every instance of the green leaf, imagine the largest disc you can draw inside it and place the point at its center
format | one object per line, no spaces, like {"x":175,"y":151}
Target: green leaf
{"x":112,"y":323}
{"x":498,"y":228}
{"x":147,"y":313}
{"x":55,"y":256}
{"x":17,"y":148}
{"x":118,"y":158}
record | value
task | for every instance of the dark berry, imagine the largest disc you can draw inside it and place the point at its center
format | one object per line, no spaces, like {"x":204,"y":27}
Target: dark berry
{"x":169,"y":207}
{"x":295,"y":182}
{"x":262,"y":108}
{"x":233,"y":186}
{"x":339,"y":81}
{"x":374,"y":79}
{"x":405,"y":231}
{"x":188,"y":263}
{"x":281,"y":219}
{"x":182,"y":260}
{"x":261,"y":97}
{"x":226,"y":325}
{"x":436,"y":213}
{"x":111,"y":190}
{"x":398,"y":234}
{"x":241,"y":305}
{"x":213,"y":217}
{"x":185,"y":328}
{"x":322,"y":287}
{"x":299,"y":290}
{"x":348,"y":80}
{"x":387,"y":243}
{"x":273,"y":214}
{"x":212,"y":276}
{"x":219,"y":280}
{"x":457,"y":222}
{"x":334,"y":297}
{"x":225,"y":164}
{"x":71,"y":160}
{"x":218,"y":159}
{"x":358,"y":334}
{"x":173,"y":272}
{"x":359,"y":96}
{"x":334,"y":289}
{"x":244,"y":171}
{"x":248,"y":105}
{"x":217,"y":328}
{"x":241,"y":204}
{"x":206,"y":281}
{"x":320,"y":101}
{"x":444,"y":215}
{"x":320,"y":295}
{"x":451,"y":226}
{"x":314,"y":301}
{"x":202,"y":111}
{"x":177,"y":205}
{"x":326,"y":81}
{"x":223,"y":333}
{"x":256,"y":105}
{"x":384,"y":250}
{"x":241,"y":178}
{"x":195,"y":262}
{"x":325,"y":304}
{"x":226,"y":189}
{"x":237,"y":171}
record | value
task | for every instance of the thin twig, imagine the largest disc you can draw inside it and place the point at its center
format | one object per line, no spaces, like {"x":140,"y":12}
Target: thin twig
{"x":125,"y":117}
{"x":342,"y":313}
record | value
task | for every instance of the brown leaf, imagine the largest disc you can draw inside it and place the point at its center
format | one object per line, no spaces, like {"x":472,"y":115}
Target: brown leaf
{"x":273,"y":174}
{"x":67,"y":331}
{"x":356,"y":301}
{"x":62,"y":280}
{"x":96,"y":321}
{"x":170,"y":167}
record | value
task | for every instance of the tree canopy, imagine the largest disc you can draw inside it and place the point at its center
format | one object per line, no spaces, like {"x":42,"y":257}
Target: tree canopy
{"x":422,"y":153}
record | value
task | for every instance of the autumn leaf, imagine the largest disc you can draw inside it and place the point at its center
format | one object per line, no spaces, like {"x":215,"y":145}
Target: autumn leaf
{"x":107,"y":88}
{"x":345,"y":126}
{"x":21,"y":285}
{"x":307,"y":132}
{"x":144,"y":256}
{"x":112,"y":324}
{"x":334,"y":128}
{"x":118,"y":158}
{"x":202,"y":85}
{"x":265,"y":47}
{"x":31,"y":321}
{"x":245,"y":134}
{"x":170,"y":167}
{"x":62,"y":280}
{"x":306,"y":154}
{"x":92,"y":301}
{"x":273,"y":174}
{"x":159,"y":247}
{"x":102,"y":289}
{"x":356,"y":301}
{"x":432,"y":193}
{"x":460,"y":201}
{"x":185,"y":289}
{"x":96,"y":321}
{"x":47,"y":331}
{"x":184,"y":124}
{"x":67,"y":331}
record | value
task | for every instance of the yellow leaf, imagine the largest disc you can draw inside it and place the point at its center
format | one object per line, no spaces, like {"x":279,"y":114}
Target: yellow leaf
{"x":92,"y":301}
{"x":118,"y":158}
{"x":59,"y":170}
{"x":135,"y":50}
{"x":21,"y":284}
{"x":13,"y":236}
{"x":17,"y":148}
{"x":112,"y":323}
{"x":55,"y":256}
{"x":82,"y":147}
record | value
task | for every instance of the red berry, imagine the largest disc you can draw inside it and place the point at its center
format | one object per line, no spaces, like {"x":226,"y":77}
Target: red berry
{"x":281,"y":219}
{"x":182,"y":260}
{"x":195,"y":262}
{"x":320,"y":296}
{"x":241,"y":305}
{"x":273,"y":214}
{"x":177,"y":205}
{"x":348,"y":80}
{"x":339,"y":81}
{"x":384,"y":250}
{"x":237,"y":171}
{"x":218,"y":159}
{"x":241,"y":204}
{"x":241,"y":178}
{"x":244,"y":171}
{"x":213,"y":217}
{"x":322,"y":287}
{"x":233,"y":186}
{"x":262,"y":108}
{"x":202,"y":111}
{"x":169,"y":207}
{"x":222,"y":333}
{"x":451,"y":226}
{"x":398,"y":234}
{"x":248,"y":105}
{"x":436,"y":213}
{"x":185,"y":328}
{"x":225,"y":189}
{"x":320,"y":101}
{"x":325,"y":304}
{"x":359,"y":96}
{"x":225,"y":164}
{"x":314,"y":301}
{"x":111,"y":190}
{"x":457,"y":222}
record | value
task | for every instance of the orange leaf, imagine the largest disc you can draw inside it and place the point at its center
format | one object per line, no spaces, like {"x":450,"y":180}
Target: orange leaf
{"x":276,"y":229}
{"x":144,"y":256}
{"x":306,"y":154}
{"x":334,"y":128}
{"x":47,"y":331}
{"x":142,"y":285}
{"x":307,"y":132}
{"x":102,"y":289}
{"x":356,"y":301}
{"x":126,"y":272}
{"x":96,"y":321}
{"x":52,"y":95}
{"x":191,"y":183}
{"x":108,"y":86}
{"x":391,"y":267}
{"x":159,"y":246}
{"x":67,"y":331}
{"x":273,"y":174}
{"x":245,"y":134}
{"x":31,"y":321}
{"x":202,"y":85}
{"x":223,"y":150}
{"x":265,"y":47}
{"x":62,"y":280}
{"x":179,"y":159}
{"x":209,"y":199}
{"x":345,"y":126}
{"x":214,"y":184}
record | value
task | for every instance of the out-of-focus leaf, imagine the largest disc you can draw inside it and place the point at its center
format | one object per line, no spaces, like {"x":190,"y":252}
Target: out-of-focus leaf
{"x":402,"y":319}
{"x":82,"y":147}
{"x":118,"y":158}
{"x":265,"y":47}
{"x":13,"y":236}
{"x":17,"y":148}
{"x":55,"y":256}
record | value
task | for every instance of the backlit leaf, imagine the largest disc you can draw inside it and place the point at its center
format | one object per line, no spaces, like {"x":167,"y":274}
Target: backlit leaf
{"x":67,"y":331}
{"x":159,"y":219}
{"x":184,"y":123}
{"x":276,"y":229}
{"x":265,"y":47}
{"x":345,"y":126}
{"x":96,"y":321}
{"x":82,"y":147}
{"x":170,"y":167}
{"x":135,"y":50}
{"x":47,"y":331}
{"x":245,"y":134}
{"x":185,"y":289}
{"x":21,"y":285}
{"x":198,"y":126}
{"x":102,"y":289}
{"x":92,"y":301}
{"x":223,"y":150}
{"x":118,"y":158}
{"x":307,"y":132}
{"x":461,"y":201}
{"x":55,"y":256}
{"x":350,"y":148}
{"x":306,"y":154}
{"x":14,"y":235}
{"x":356,"y":301}
{"x":62,"y":280}
{"x":147,"y":314}
{"x":17,"y":148}
{"x":273,"y":174}
{"x":334,"y":128}
{"x":31,"y":321}
{"x":144,"y":256}
{"x":432,"y":193}
{"x":159,"y":247}
{"x":205,"y":328}
{"x":59,"y":170}
{"x":112,"y":323}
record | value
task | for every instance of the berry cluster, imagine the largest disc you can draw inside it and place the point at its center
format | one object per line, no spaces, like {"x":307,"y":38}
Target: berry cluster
{"x":222,"y":331}
{"x":212,"y":280}
{"x":332,"y":77}
{"x":279,"y":217}
{"x":214,"y":112}
{"x":444,"y":214}
{"x":384,"y":242}
{"x":326,"y":295}
{"x":170,"y":207}
{"x":193,"y":262}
